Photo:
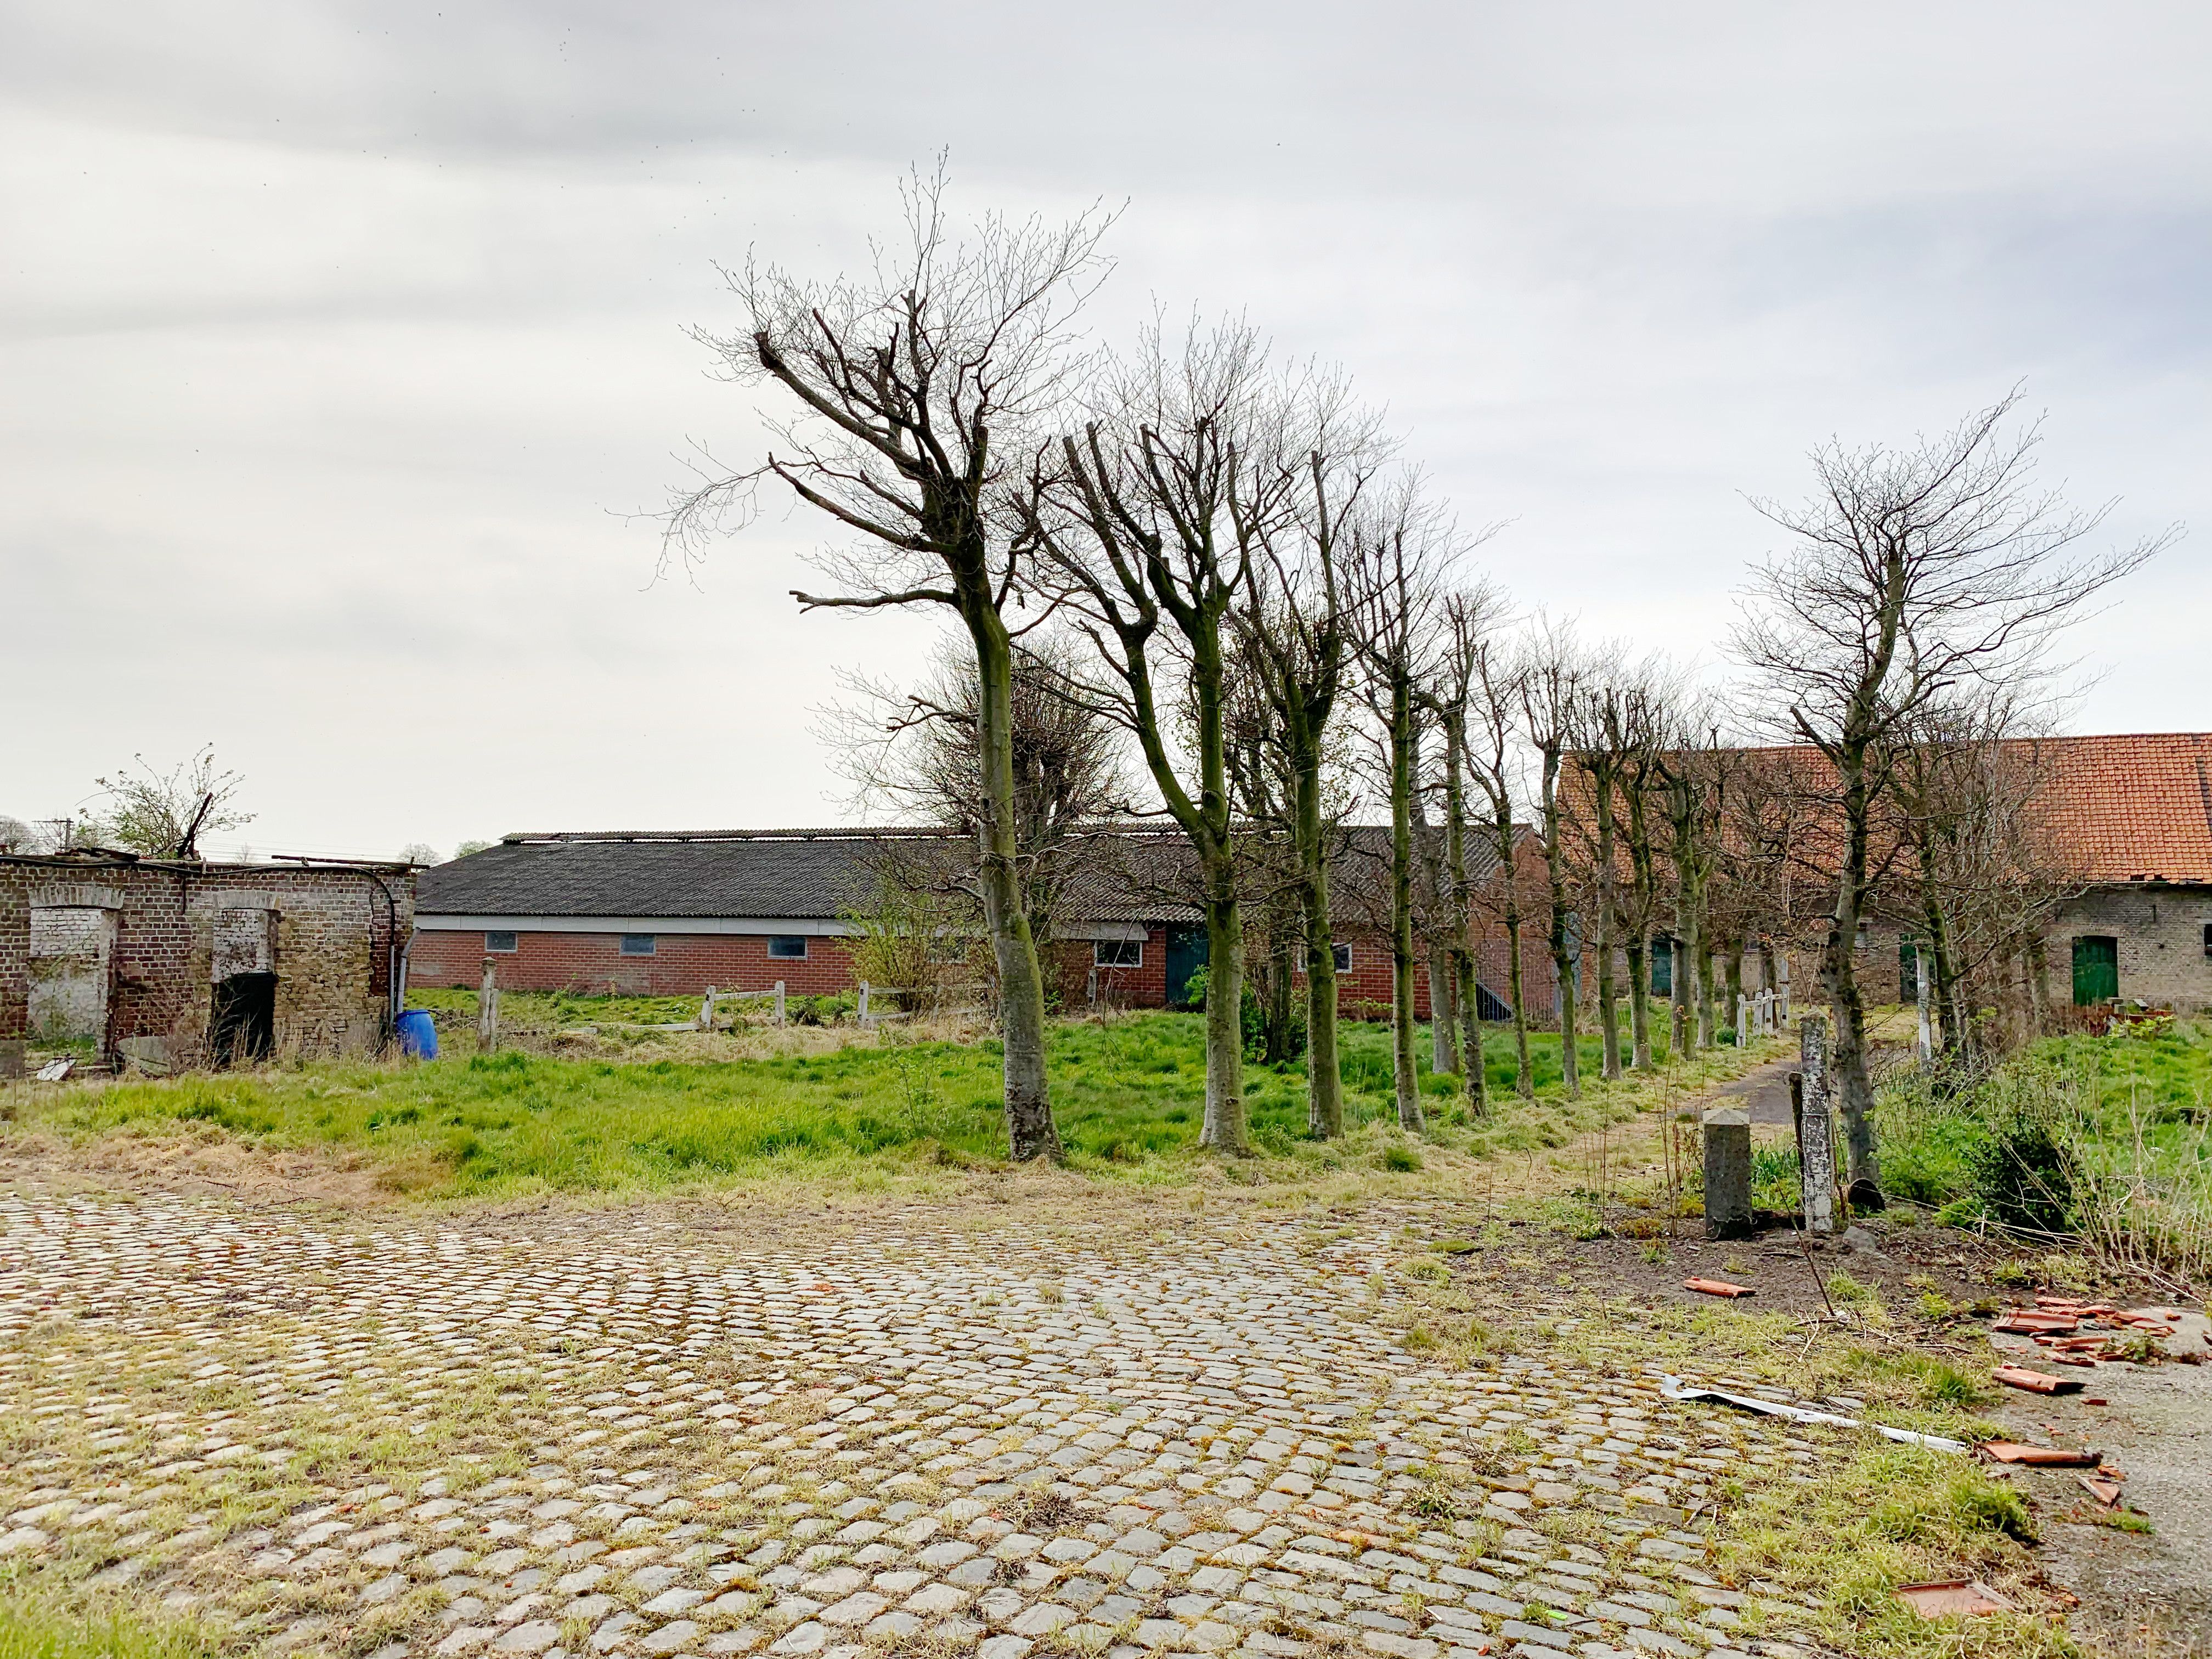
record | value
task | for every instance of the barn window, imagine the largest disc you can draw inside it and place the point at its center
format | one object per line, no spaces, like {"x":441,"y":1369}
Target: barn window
{"x":498,"y":942}
{"x":637,"y":944}
{"x":1343,"y":955}
{"x":787,"y":947}
{"x":2207,"y":939}
{"x":1118,"y":953}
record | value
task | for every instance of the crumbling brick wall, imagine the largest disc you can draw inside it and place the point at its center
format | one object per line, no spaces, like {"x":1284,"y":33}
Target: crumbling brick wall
{"x":328,"y":934}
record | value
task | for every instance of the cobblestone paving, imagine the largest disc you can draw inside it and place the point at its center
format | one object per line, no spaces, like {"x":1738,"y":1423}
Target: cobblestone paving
{"x":1147,"y":1432}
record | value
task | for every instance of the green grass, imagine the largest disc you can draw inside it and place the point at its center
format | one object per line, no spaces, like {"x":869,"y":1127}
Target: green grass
{"x":1128,"y":1097}
{"x":32,"y":1628}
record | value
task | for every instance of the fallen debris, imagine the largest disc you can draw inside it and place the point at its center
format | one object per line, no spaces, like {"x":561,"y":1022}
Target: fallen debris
{"x":2019,"y":1377}
{"x":1968,"y":1597}
{"x":55,"y":1070}
{"x":2015,"y":1451}
{"x":1674,"y":1389}
{"x":2106,"y":1492}
{"x":1717,"y":1287}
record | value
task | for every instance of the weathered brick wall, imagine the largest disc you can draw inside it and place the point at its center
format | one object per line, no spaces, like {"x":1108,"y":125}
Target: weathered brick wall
{"x":2160,"y":932}
{"x":331,"y":934}
{"x":682,"y":964}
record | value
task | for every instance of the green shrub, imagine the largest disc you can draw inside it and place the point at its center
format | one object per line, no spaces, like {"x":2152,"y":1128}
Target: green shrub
{"x":2024,"y":1176}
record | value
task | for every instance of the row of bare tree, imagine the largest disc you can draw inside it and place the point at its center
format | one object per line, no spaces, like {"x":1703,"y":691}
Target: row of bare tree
{"x":1219,"y":564}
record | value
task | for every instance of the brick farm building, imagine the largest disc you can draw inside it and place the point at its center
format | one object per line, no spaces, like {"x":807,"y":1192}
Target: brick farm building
{"x":672,"y":912}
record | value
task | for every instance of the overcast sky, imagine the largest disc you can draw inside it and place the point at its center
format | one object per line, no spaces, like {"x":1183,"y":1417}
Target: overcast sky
{"x":337,"y":341}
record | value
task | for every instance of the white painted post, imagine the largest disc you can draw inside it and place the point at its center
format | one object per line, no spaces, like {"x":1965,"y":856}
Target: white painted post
{"x":488,"y":1009}
{"x":1743,"y":1022}
{"x":707,"y":1010}
{"x":1927,"y":1024}
{"x":863,"y":1004}
{"x":779,"y":1002}
{"x":1816,"y":1144}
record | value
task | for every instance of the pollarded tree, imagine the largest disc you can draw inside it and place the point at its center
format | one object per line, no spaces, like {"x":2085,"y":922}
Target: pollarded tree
{"x":1403,"y":551}
{"x":1909,"y":573}
{"x":1148,"y":523}
{"x":914,"y":393}
{"x":1553,"y":670}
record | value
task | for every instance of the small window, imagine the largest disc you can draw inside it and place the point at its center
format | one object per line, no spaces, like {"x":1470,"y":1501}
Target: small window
{"x":2207,"y":939}
{"x":1343,"y":955}
{"x":1118,"y":953}
{"x":497,"y":943}
{"x":637,"y":944}
{"x":787,"y":947}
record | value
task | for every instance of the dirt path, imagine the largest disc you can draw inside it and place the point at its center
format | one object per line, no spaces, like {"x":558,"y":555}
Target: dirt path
{"x":1155,"y":1429}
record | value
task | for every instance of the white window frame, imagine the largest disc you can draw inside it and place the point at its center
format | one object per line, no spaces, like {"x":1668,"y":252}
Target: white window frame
{"x":1100,"y":947}
{"x":513,"y":938}
{"x":652,"y":945}
{"x":775,"y":955}
{"x":1340,"y":950}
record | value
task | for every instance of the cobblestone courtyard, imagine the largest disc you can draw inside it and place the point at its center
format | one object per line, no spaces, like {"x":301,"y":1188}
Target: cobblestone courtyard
{"x":1152,"y":1429}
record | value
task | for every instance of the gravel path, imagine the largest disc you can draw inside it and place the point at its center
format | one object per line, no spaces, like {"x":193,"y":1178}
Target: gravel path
{"x":934,"y":1431}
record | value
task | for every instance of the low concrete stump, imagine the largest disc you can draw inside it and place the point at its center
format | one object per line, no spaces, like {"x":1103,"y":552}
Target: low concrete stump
{"x":11,"y":1057}
{"x":1727,"y":1135}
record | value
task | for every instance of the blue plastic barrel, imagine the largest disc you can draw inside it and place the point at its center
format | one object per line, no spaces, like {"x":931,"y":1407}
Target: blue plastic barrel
{"x":418,"y":1037}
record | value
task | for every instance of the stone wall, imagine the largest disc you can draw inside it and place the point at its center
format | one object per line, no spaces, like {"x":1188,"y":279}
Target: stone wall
{"x":2160,"y":932}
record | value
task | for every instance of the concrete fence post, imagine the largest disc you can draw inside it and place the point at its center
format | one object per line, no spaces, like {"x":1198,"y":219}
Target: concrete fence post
{"x":707,"y":1010}
{"x":863,"y":1004}
{"x":1927,"y":1024}
{"x":488,"y":1009}
{"x":779,"y":1002}
{"x":1726,"y":1137}
{"x":1816,"y":1140}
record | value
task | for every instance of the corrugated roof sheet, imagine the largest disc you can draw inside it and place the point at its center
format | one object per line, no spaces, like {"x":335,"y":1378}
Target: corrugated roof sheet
{"x":1140,"y":874}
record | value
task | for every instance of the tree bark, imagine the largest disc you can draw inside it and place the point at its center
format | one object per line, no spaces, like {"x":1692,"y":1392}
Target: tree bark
{"x":1608,"y":1011}
{"x":1224,"y":1021}
{"x":1839,"y":979}
{"x":1639,"y":999}
{"x":1405,"y":1075}
{"x":1524,"y":1074}
{"x":1467,"y":997}
{"x":1563,"y":963}
{"x":1030,"y":1133}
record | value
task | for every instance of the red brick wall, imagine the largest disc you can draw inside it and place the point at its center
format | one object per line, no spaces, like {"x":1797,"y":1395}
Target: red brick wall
{"x":1144,"y":985}
{"x":682,"y":964}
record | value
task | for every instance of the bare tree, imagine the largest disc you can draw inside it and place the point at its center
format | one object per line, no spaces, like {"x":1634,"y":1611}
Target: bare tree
{"x":164,"y":814}
{"x":1150,"y":522}
{"x":1910,"y":573}
{"x":1493,"y":762}
{"x":1469,"y":615}
{"x":1297,"y":637}
{"x":916,"y":386}
{"x":1614,"y":721}
{"x":1403,"y":550}
{"x":1551,"y":685}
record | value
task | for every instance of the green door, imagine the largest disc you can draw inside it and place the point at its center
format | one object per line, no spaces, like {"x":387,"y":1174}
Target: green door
{"x":2096,"y":968}
{"x":1187,"y":949}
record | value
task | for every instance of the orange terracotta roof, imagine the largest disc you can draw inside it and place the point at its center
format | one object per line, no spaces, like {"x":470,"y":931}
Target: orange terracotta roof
{"x":2137,"y":807}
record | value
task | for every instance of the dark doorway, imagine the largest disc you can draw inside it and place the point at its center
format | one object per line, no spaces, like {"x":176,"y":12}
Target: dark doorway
{"x":245,"y":1027}
{"x":1187,"y":951}
{"x":2096,"y":968}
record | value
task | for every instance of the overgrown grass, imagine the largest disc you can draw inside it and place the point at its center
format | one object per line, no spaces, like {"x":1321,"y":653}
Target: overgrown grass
{"x":37,"y":1627}
{"x":2109,"y":1137}
{"x":1128,"y":1096}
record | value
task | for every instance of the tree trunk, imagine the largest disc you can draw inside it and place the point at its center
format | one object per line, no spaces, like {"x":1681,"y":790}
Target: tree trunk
{"x":1324,"y":1076}
{"x":1563,"y":962}
{"x":1404,"y":1073}
{"x":1608,"y":1009}
{"x":1283,"y":933}
{"x":1030,"y":1129}
{"x":1639,"y":999}
{"x":1466,"y":997}
{"x":1734,"y":1003}
{"x":1839,"y":980}
{"x":1224,"y":1128}
{"x":1443,"y":1022}
{"x":1704,"y":957}
{"x":1524,"y":1074}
